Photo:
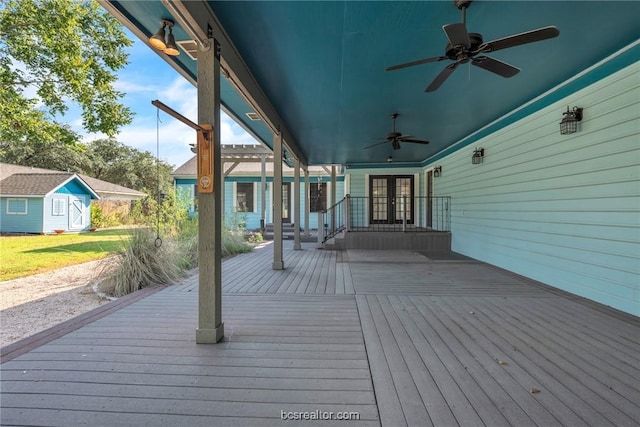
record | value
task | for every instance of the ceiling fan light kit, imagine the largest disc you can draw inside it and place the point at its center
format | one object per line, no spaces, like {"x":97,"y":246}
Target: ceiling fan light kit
{"x":463,"y":47}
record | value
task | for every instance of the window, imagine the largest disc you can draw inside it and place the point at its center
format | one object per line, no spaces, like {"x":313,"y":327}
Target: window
{"x":16,"y":206}
{"x":244,"y":197}
{"x":58,"y":207}
{"x":317,"y":197}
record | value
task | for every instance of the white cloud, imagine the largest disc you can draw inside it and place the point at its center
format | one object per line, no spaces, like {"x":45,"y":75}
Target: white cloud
{"x":174,"y":136}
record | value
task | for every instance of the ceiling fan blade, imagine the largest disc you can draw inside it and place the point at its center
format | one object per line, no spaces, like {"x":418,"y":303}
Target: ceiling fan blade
{"x":414,"y":140}
{"x":519,"y":39}
{"x":444,"y":74}
{"x":418,"y":62}
{"x":377,"y":143}
{"x":457,"y":34}
{"x":495,"y":66}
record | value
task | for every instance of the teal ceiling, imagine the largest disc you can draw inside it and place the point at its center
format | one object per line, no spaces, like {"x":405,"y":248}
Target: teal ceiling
{"x":322,"y":64}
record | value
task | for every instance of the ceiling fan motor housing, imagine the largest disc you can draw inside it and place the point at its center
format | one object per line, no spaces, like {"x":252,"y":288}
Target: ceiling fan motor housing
{"x":462,"y":3}
{"x":456,"y":53}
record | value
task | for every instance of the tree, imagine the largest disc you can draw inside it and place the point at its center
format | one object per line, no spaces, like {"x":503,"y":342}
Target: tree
{"x":47,"y":154}
{"x":114,"y":162}
{"x":52,"y":51}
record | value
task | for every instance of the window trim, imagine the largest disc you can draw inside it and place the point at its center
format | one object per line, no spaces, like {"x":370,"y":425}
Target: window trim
{"x":254,"y":197}
{"x":26,"y":206}
{"x":61,"y":205}
{"x":325,"y":195}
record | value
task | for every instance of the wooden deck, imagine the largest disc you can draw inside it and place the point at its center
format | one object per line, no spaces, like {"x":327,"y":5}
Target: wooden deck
{"x":399,"y":337}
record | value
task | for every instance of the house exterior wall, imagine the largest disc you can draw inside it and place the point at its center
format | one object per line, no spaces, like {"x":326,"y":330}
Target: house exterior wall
{"x":31,"y":222}
{"x":185,"y":188}
{"x":358,"y":187}
{"x":560,"y":209}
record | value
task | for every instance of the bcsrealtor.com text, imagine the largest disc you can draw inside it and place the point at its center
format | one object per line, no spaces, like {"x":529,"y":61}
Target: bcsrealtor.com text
{"x":319,"y":415}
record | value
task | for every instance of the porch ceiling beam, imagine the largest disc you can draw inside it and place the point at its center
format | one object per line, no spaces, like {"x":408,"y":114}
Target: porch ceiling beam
{"x":235,"y":69}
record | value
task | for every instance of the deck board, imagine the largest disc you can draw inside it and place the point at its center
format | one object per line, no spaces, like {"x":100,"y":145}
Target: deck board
{"x":401,"y":337}
{"x":291,"y":353}
{"x":485,"y":363}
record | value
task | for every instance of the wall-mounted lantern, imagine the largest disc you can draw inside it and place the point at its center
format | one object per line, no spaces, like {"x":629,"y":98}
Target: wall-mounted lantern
{"x":569,"y":123}
{"x":478,"y":155}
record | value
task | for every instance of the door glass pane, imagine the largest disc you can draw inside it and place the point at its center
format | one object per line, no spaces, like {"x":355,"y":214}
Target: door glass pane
{"x":379,"y":199}
{"x":403,"y":199}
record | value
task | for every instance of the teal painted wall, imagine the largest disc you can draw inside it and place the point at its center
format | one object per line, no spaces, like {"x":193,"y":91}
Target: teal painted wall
{"x":560,"y":209}
{"x":29,"y":223}
{"x":72,"y":187}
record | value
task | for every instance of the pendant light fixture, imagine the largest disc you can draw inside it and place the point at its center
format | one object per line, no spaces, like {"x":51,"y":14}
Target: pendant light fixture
{"x":168,"y":45}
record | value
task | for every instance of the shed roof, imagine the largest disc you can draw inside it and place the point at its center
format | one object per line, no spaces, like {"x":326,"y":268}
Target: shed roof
{"x":39,"y":184}
{"x":103,"y":188}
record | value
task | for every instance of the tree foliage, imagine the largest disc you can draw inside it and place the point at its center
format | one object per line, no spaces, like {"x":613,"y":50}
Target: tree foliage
{"x":117,"y":163}
{"x":105,"y":159}
{"x":52,"y":52}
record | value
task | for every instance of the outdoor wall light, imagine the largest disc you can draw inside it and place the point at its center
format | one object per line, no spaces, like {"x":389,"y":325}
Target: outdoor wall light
{"x":478,"y":155}
{"x":437,"y":172}
{"x":158,"y":41}
{"x":569,"y":123}
{"x":389,"y":159}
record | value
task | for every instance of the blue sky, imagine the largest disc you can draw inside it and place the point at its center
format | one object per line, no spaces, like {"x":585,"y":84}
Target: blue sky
{"x":148,"y":77}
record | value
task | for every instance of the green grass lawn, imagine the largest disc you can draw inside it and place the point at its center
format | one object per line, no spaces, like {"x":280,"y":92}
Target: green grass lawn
{"x":26,"y":255}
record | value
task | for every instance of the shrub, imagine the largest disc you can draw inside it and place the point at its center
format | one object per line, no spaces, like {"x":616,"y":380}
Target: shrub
{"x":255,"y":237}
{"x":142,"y":262}
{"x":101,"y":220}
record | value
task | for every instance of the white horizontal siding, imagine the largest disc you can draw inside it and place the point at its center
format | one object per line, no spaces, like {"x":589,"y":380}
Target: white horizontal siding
{"x":561,"y":209}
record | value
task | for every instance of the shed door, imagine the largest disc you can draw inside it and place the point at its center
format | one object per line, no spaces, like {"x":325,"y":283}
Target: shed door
{"x":76,"y":213}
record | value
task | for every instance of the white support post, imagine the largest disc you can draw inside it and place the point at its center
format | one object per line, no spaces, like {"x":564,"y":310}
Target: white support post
{"x":263,"y":189}
{"x":210,"y":327}
{"x":307,"y":202}
{"x":333,"y":196}
{"x":347,"y":213}
{"x":296,"y":205}
{"x":278,"y":263}
{"x":221,"y":178}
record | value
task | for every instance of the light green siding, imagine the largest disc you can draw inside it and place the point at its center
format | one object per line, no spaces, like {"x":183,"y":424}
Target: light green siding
{"x":561,"y":209}
{"x":358,"y":178}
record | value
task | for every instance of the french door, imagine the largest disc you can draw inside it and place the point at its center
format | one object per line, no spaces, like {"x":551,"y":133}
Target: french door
{"x":391,"y":199}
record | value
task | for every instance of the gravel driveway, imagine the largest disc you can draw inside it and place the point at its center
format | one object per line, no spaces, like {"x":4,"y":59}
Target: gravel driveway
{"x":31,"y":304}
